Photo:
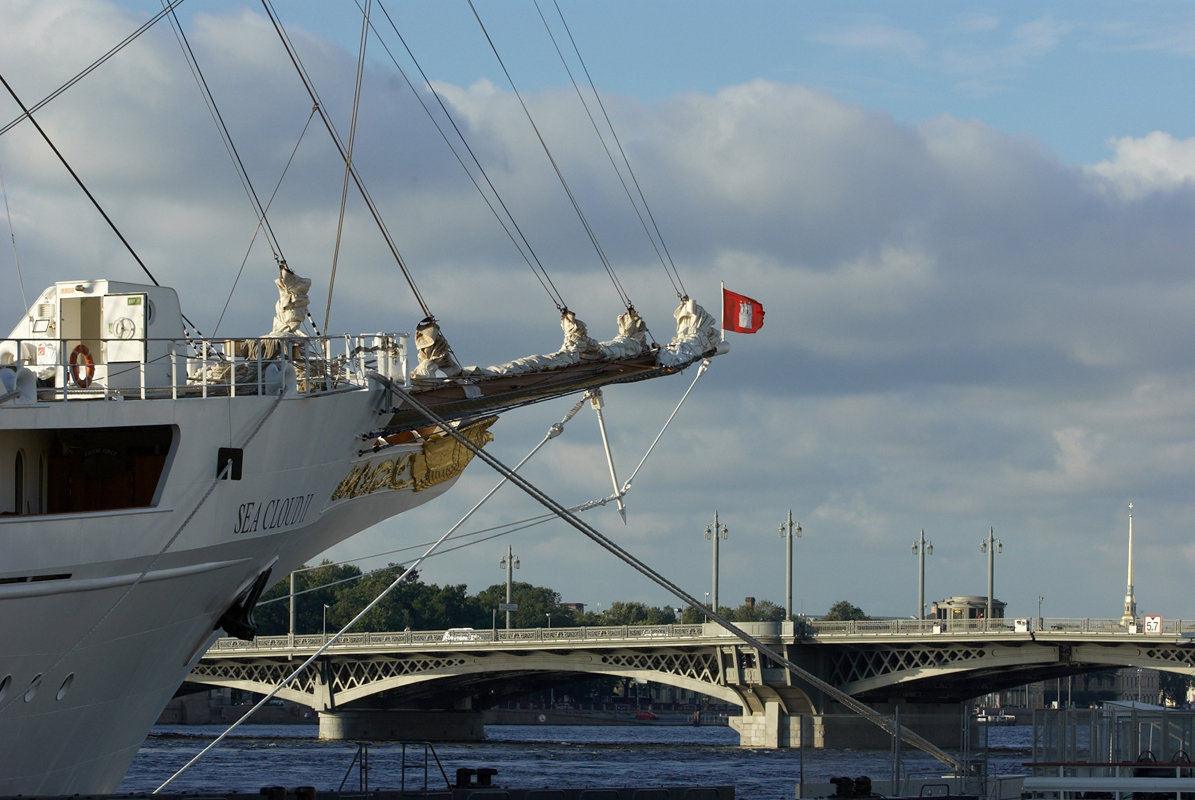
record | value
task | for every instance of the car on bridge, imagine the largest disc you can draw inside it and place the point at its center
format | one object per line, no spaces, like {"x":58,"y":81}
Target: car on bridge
{"x":465,"y":635}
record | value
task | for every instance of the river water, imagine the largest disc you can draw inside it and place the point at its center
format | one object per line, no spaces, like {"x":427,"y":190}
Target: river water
{"x":530,"y":756}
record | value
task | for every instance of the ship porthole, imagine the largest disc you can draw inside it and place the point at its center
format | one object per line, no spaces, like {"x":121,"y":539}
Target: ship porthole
{"x":65,"y":687}
{"x":4,"y":684}
{"x":34,"y":685}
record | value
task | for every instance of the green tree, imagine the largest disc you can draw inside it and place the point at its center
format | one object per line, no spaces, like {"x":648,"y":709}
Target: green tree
{"x":314,"y":588}
{"x":763,"y":611}
{"x":535,"y":604}
{"x":842,"y":610}
{"x":1174,"y":687}
{"x":636,"y":613}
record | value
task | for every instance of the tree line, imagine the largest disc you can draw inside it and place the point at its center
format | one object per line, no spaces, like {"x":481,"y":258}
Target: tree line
{"x":329,"y":595}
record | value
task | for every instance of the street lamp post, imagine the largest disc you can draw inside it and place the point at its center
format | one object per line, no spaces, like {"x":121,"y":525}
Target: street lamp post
{"x":991,"y":546}
{"x":325,"y":623}
{"x":508,"y":562}
{"x":549,"y":616}
{"x":1039,"y":622}
{"x":715,"y":533}
{"x":786,"y":533}
{"x":921,"y":549}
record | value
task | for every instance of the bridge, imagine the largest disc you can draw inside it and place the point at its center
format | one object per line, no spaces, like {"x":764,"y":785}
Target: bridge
{"x":434,"y":684}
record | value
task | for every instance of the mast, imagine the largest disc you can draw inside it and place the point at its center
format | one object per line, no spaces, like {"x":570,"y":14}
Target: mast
{"x":1130,"y":603}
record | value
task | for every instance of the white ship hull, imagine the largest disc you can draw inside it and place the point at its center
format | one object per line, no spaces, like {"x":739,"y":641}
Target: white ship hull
{"x":103,"y":612}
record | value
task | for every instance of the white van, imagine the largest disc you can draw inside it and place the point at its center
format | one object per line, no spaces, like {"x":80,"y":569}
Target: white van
{"x":462,"y":635}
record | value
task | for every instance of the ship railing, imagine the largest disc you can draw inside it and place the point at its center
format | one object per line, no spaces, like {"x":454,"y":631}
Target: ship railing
{"x":48,"y":370}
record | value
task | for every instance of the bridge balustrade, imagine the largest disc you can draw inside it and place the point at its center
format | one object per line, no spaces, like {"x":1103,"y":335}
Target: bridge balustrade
{"x":458,"y":636}
{"x":1086,"y":626}
{"x":809,"y":629}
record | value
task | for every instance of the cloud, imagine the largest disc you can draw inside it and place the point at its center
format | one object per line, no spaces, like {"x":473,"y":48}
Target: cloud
{"x":1141,"y":166}
{"x":962,"y":331}
{"x":875,"y":38}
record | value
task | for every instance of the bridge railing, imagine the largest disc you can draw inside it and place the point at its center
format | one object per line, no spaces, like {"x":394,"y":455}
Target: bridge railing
{"x":457,"y":636}
{"x":913,"y":627}
{"x":807,"y":629}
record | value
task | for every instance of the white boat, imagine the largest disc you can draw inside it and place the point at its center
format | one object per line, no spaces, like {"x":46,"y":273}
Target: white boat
{"x":152,"y":485}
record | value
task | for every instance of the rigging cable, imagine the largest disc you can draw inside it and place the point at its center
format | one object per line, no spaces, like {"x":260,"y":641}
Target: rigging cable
{"x":79,"y":181}
{"x":865,"y":711}
{"x":91,"y":67}
{"x":225,"y":136}
{"x":12,"y":236}
{"x":270,"y":202}
{"x":529,"y":254}
{"x":626,"y":300}
{"x":552,"y":433}
{"x":673,"y":273}
{"x":348,"y":156}
{"x":310,"y":88}
{"x":259,"y":210}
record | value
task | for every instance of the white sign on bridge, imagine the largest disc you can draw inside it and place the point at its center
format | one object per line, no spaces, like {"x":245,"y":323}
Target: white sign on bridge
{"x":1153,"y":623}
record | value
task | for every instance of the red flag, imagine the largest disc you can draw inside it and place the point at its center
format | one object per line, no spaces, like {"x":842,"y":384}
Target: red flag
{"x":740,"y":313}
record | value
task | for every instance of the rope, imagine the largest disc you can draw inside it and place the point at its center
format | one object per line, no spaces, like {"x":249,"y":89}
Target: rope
{"x":614,"y":548}
{"x":261,"y":218}
{"x":552,"y":433}
{"x":348,"y":156}
{"x":626,"y":300}
{"x":508,"y":221}
{"x":373,"y":210}
{"x":91,"y":67}
{"x":12,"y":236}
{"x":673,"y":274}
{"x":79,"y":181}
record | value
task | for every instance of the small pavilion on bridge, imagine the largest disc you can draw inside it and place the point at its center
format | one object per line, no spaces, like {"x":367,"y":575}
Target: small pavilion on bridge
{"x":967,"y":606}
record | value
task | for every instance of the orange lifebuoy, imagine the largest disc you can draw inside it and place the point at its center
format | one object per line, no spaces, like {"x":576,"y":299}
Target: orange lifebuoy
{"x":81,"y":361}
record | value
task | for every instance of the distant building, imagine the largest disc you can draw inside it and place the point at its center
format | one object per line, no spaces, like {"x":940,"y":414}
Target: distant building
{"x":965,"y":607}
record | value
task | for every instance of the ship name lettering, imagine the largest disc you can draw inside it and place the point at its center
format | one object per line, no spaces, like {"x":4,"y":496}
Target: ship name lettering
{"x":279,"y":512}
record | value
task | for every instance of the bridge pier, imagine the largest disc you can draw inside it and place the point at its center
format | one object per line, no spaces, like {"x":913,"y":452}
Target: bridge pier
{"x":774,"y":729}
{"x":841,"y":728}
{"x":384,"y":724}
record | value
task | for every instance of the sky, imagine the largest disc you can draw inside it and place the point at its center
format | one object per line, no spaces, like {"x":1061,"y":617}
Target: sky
{"x":971,"y":226}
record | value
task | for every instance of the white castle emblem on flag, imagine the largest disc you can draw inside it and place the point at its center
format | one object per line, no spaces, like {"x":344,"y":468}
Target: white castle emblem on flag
{"x":745,"y":309}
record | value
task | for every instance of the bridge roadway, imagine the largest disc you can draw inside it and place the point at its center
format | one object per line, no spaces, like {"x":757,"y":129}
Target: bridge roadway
{"x":434,"y":684}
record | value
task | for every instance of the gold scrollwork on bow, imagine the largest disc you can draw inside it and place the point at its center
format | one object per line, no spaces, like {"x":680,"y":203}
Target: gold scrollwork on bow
{"x":442,"y":458}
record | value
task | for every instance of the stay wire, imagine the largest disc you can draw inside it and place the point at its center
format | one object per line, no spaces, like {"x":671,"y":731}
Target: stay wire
{"x":91,"y":67}
{"x":12,"y":237}
{"x":521,"y":243}
{"x":309,"y":86}
{"x":673,"y":273}
{"x":644,"y":569}
{"x":625,"y":299}
{"x":348,"y":156}
{"x":230,"y":147}
{"x":248,"y":250}
{"x":369,"y":607}
{"x":79,"y":181}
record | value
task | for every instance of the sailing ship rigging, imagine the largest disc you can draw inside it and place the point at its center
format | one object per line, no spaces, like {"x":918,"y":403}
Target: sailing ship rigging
{"x":163,"y":479}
